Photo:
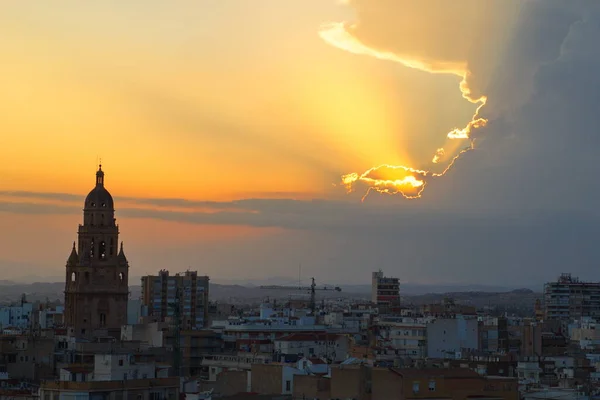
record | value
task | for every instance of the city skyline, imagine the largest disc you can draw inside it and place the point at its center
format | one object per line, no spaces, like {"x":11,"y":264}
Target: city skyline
{"x":225,"y":130}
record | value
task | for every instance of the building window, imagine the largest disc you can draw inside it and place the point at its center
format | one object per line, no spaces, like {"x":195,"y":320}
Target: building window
{"x":288,"y":386}
{"x":73,"y":277}
{"x":120,"y":363}
{"x":415,"y":387}
{"x":102,"y":250}
{"x":431,"y":386}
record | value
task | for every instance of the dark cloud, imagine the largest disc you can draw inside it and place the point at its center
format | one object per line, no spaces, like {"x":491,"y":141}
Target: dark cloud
{"x":41,"y":195}
{"x":520,"y":208}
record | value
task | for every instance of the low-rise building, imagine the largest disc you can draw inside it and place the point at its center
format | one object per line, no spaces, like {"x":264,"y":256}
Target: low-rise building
{"x":328,"y":346}
{"x":139,"y":389}
{"x":363,"y":382}
{"x":274,"y":378}
{"x":407,"y":337}
{"x":112,"y":376}
{"x":51,"y":317}
{"x":16,"y":316}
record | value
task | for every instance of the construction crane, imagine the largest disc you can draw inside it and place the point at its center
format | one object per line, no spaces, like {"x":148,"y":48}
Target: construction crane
{"x":312,"y":289}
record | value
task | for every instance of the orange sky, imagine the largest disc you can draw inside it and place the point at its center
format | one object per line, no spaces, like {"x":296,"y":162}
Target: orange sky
{"x":256,"y":102}
{"x":203,"y":101}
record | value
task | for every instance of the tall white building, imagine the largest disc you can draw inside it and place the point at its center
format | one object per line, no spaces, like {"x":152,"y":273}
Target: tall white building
{"x":569,"y":298}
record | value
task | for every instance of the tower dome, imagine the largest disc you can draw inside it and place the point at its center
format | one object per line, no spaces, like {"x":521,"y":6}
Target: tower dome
{"x":99,"y":197}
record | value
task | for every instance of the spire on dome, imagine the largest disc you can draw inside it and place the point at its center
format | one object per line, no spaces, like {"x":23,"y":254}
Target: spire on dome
{"x":100,"y":176}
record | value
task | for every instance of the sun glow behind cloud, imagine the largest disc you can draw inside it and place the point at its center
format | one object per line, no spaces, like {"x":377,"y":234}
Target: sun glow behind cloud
{"x":401,"y":179}
{"x":203,"y":111}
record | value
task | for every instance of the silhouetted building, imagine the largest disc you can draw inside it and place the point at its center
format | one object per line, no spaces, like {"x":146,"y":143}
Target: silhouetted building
{"x":96,"y":287}
{"x":159,"y":296}
{"x":385,"y":292}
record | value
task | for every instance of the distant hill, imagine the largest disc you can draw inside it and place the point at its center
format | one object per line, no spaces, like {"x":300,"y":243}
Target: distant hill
{"x":418,"y":294}
{"x":514,"y":298}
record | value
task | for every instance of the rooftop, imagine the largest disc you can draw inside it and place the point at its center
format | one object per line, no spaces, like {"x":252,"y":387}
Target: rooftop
{"x":306,"y":337}
{"x":101,"y":386}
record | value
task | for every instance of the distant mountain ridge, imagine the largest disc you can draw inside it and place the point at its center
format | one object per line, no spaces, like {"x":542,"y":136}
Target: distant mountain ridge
{"x":53,"y":291}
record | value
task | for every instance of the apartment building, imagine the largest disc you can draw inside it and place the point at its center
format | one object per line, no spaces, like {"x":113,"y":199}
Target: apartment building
{"x":27,"y":357}
{"x":449,"y":337}
{"x":385,"y":292}
{"x":569,"y":298}
{"x":160,"y":294}
{"x":333,"y":347}
{"x":407,"y":336}
{"x":50,"y":317}
{"x":17,"y":316}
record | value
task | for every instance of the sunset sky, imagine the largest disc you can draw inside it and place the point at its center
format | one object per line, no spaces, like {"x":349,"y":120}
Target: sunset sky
{"x":225,"y":128}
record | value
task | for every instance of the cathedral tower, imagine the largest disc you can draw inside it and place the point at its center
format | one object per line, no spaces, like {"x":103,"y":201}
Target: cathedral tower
{"x":96,"y":287}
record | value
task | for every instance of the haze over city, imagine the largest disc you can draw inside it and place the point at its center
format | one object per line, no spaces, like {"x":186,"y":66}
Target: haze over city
{"x":243,"y":139}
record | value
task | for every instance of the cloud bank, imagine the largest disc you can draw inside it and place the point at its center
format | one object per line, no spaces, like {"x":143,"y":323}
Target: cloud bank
{"x":500,"y":49}
{"x":438,"y":37}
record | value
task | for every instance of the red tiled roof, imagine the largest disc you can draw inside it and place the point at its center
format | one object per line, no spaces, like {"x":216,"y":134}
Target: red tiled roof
{"x":76,"y":369}
{"x":440,"y":372}
{"x":316,"y":361}
{"x":253,"y":341}
{"x":308,"y":337}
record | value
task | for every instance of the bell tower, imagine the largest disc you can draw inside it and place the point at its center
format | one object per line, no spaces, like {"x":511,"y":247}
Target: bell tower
{"x":96,"y":287}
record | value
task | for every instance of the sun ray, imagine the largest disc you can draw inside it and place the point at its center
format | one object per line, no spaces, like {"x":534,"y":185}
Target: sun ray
{"x":400,"y":179}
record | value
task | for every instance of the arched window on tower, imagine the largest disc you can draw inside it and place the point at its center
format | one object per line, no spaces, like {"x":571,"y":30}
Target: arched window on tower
{"x":87,"y":277}
{"x":102,"y":319}
{"x":121,"y":276}
{"x":102,"y":251}
{"x":73,"y":277}
{"x":92,"y":219}
{"x":101,"y":219}
{"x":92,"y":249}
